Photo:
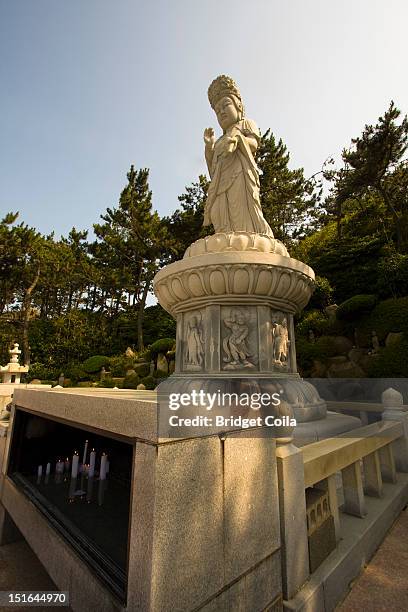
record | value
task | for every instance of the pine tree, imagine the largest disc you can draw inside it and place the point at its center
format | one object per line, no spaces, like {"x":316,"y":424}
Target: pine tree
{"x":290,"y":203}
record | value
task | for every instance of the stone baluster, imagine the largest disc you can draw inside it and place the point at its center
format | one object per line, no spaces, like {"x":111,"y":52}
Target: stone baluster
{"x":372,"y":472}
{"x":292,"y":509}
{"x":354,"y":502}
{"x":394,"y":410}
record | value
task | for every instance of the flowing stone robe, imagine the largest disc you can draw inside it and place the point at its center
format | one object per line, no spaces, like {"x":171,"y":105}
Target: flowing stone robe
{"x":233,"y":202}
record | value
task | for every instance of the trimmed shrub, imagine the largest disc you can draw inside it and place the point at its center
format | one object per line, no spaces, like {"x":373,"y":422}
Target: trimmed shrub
{"x":75,"y":372}
{"x":131,"y":381}
{"x":356,"y":306}
{"x":320,"y":324}
{"x":388,"y":316}
{"x":107,"y":383}
{"x":160,"y":374}
{"x":149,"y":382}
{"x":391,"y":362}
{"x":162,"y":346}
{"x":119,"y":364}
{"x":142,"y":369}
{"x":94,"y":364}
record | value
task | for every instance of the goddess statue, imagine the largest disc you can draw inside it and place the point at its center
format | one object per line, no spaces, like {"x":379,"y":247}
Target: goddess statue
{"x":233,"y":202}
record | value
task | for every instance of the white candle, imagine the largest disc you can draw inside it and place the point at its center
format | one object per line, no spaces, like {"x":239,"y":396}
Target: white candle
{"x":89,"y":491}
{"x":92,"y":459}
{"x":102,"y":471}
{"x":85,"y":452}
{"x":39,"y":472}
{"x":59,"y":468}
{"x":72,"y":487}
{"x":67,"y":464}
{"x":48,"y":469}
{"x":101,"y":491}
{"x":75,"y":461}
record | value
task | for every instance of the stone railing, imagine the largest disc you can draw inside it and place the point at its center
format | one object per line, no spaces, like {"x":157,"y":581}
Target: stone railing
{"x":344,"y":470}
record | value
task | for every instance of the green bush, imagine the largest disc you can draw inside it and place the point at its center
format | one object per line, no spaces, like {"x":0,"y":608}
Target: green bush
{"x":131,"y":381}
{"x":75,"y":372}
{"x":393,"y":275}
{"x":120,"y":364}
{"x":320,"y":323}
{"x":107,"y":383}
{"x":85,"y":383}
{"x":160,"y":374}
{"x":388,"y":316}
{"x":322,"y":294}
{"x":94,"y":364}
{"x":356,"y":306}
{"x":142,"y":369}
{"x":391,"y":362}
{"x":307,"y":352}
{"x":149,"y":382}
{"x":41,"y":371}
{"x":162,"y":346}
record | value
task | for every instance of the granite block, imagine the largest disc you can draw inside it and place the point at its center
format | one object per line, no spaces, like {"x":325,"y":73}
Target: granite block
{"x":251,"y":502}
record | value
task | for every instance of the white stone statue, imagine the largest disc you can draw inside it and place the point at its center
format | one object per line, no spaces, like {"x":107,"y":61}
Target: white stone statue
{"x":195,"y":351}
{"x":281,"y":342}
{"x":233,"y":202}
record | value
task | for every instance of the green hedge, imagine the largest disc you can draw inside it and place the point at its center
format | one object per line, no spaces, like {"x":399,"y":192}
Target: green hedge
{"x":388,"y":316}
{"x":320,"y":324}
{"x":392,"y":361}
{"x":94,"y":364}
{"x":149,"y":382}
{"x":131,"y":381}
{"x":162,"y":346}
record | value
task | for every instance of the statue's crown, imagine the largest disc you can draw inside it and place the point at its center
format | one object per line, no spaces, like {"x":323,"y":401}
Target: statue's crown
{"x":222,"y":86}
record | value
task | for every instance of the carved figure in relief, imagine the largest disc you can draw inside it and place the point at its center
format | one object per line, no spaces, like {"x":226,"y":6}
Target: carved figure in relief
{"x":235,"y":344}
{"x":280,"y":337}
{"x":233,"y":201}
{"x":195,"y":349}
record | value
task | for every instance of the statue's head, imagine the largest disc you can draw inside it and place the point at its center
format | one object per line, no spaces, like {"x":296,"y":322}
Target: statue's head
{"x":225,"y":99}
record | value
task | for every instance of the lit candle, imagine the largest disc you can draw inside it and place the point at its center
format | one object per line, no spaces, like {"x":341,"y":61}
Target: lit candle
{"x":102,"y":471}
{"x":67,"y":464}
{"x":92,"y":459}
{"x":85,"y":452}
{"x":39,"y":472}
{"x":59,"y":468}
{"x":75,"y":461}
{"x":48,"y":469}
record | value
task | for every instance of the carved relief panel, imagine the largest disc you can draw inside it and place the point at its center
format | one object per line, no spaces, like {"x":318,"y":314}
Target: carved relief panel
{"x":194,"y":341}
{"x":280,"y":341}
{"x":239,"y":344}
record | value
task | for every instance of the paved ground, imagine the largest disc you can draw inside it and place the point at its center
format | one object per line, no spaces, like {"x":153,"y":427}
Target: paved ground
{"x":383,"y":586}
{"x":20,"y":570}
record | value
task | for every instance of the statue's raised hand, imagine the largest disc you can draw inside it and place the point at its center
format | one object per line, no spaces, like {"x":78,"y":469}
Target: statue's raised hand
{"x":209,"y":137}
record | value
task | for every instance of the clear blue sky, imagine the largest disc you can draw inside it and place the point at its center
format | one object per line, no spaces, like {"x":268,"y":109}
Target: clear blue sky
{"x":90,"y":86}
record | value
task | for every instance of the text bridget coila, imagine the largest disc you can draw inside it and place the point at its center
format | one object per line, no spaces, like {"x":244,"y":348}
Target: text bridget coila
{"x":237,"y":421}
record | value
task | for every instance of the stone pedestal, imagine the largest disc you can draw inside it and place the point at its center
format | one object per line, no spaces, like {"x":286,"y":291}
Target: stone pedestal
{"x":202,"y":531}
{"x":234,"y":296}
